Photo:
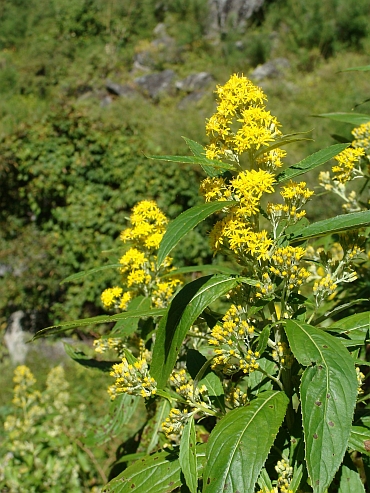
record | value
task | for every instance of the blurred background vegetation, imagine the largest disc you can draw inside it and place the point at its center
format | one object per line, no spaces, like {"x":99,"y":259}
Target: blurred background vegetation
{"x":80,"y":110}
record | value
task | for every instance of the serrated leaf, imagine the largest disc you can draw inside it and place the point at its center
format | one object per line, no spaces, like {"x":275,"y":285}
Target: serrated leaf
{"x":311,"y":162}
{"x":353,"y":118}
{"x":184,"y":309}
{"x":85,"y":273}
{"x":235,"y":451}
{"x":184,"y":223}
{"x":360,"y":439}
{"x":101,"y":319}
{"x":356,"y":327}
{"x":337,"y":224}
{"x":81,"y":358}
{"x":188,"y":456}
{"x":328,"y":397}
{"x":349,"y":479}
{"x":160,"y":472}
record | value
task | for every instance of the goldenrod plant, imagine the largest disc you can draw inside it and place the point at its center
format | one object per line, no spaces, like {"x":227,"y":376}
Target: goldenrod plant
{"x":42,"y":449}
{"x":250,"y":384}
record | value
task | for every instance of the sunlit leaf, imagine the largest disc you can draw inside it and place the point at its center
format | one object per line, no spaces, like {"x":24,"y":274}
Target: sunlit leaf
{"x":239,"y":444}
{"x":184,"y":223}
{"x":188,"y":456}
{"x":328,"y":397}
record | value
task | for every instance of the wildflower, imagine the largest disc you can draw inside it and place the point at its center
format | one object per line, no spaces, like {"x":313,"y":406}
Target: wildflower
{"x":362,"y":136}
{"x":283,"y":355}
{"x":345,"y":169}
{"x":240,"y":105}
{"x":285,"y":263}
{"x":360,"y":379}
{"x":110,"y":296}
{"x":173,"y":425}
{"x":132,"y":378}
{"x":233,"y":343}
{"x":285,"y":472}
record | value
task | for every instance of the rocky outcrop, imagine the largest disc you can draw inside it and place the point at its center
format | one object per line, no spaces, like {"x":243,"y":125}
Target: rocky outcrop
{"x":226,"y":14}
{"x":195,"y":82}
{"x":156,"y":84}
{"x":15,"y":338}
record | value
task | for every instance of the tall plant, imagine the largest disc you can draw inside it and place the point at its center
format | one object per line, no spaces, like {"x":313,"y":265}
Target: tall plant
{"x":249,"y":385}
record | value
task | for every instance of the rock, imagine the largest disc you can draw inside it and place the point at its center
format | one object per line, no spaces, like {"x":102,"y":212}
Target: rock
{"x":152,"y":55}
{"x":271,"y":69}
{"x":120,"y":90}
{"x":15,"y":338}
{"x":195,"y":82}
{"x":156,"y":84}
{"x":191,"y":98}
{"x":225,"y":14}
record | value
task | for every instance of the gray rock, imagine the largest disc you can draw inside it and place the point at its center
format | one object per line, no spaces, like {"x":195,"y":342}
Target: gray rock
{"x":225,"y":14}
{"x":271,"y":69}
{"x":120,"y":90}
{"x":161,"y":50}
{"x":156,"y":84}
{"x":195,"y":82}
{"x":4,"y":269}
{"x":106,"y":101}
{"x":15,"y":338}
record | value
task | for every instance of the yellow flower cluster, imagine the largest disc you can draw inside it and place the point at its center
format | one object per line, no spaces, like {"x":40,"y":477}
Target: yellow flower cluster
{"x":285,"y":264}
{"x":173,"y":425}
{"x":232,"y":340}
{"x":362,"y":136}
{"x":285,"y":472}
{"x":345,"y":170}
{"x":133,"y":378}
{"x":111,"y":343}
{"x":240,"y":104}
{"x":138,"y":264}
{"x":360,"y":380}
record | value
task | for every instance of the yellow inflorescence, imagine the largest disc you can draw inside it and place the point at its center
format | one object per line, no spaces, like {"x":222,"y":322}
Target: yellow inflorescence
{"x":241,"y":122}
{"x":232,"y":341}
{"x":132,"y":378}
{"x":286,"y":264}
{"x":347,"y":160}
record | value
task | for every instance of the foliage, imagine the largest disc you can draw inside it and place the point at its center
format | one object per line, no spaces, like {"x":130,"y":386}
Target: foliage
{"x":42,"y":450}
{"x":68,"y":182}
{"x":245,"y":350}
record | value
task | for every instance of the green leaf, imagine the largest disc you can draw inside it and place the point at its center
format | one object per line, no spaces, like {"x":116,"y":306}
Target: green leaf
{"x":360,"y":439}
{"x":282,"y":141}
{"x":160,"y":472}
{"x":328,"y":398}
{"x":85,"y":273}
{"x":330,"y":313}
{"x":239,"y":444}
{"x":101,"y":319}
{"x":263,"y":339}
{"x":337,"y":224}
{"x":198,"y":150}
{"x":296,"y":479}
{"x":81,"y":358}
{"x":185,"y":308}
{"x":184,"y":223}
{"x":350,"y":481}
{"x":356,"y":327}
{"x":188,"y":456}
{"x":364,"y":68}
{"x":353,"y":118}
{"x":127,"y":326}
{"x":311,"y":162}
{"x":154,"y":425}
{"x":202,"y":160}
{"x":215,"y":389}
{"x":200,"y":268}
